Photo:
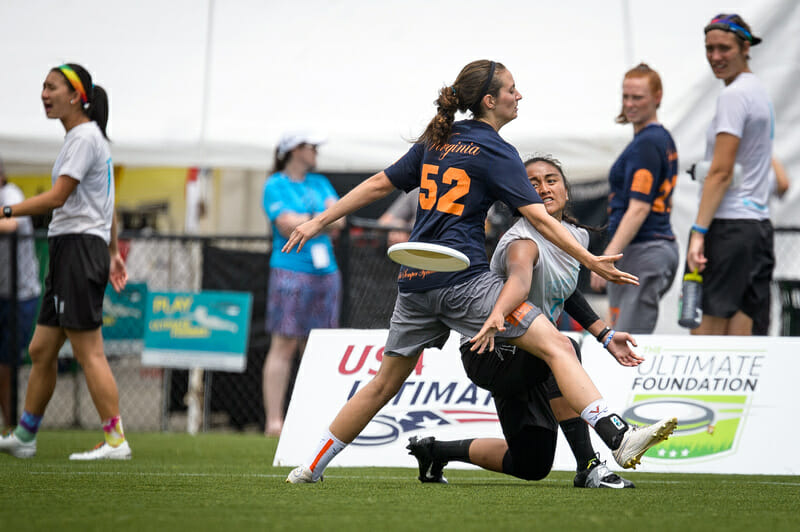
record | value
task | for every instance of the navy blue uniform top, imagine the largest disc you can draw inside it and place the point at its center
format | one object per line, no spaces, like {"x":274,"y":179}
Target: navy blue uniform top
{"x":647,"y":170}
{"x":458,"y":182}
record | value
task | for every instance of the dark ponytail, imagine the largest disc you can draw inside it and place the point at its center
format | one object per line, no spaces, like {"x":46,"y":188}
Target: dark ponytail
{"x":96,"y":106}
{"x":475,"y":80}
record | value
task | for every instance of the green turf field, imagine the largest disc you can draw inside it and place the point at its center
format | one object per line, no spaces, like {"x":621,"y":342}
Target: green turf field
{"x":225,"y":482}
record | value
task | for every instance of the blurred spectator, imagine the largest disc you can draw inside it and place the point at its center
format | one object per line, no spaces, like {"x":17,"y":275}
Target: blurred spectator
{"x":304,"y":287}
{"x":640,"y":202}
{"x":28,"y":289}
{"x":731,"y":241}
{"x":400,"y":214}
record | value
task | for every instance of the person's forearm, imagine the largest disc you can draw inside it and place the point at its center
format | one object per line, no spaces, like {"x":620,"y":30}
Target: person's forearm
{"x":368,"y":191}
{"x":113,"y":243}
{"x":40,"y":204}
{"x":513,"y":293}
{"x":628,"y":227}
{"x":556,"y":233}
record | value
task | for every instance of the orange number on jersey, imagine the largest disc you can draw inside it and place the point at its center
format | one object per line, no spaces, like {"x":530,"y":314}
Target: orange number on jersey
{"x":663,"y":202}
{"x":427,"y":186}
{"x":448,"y":202}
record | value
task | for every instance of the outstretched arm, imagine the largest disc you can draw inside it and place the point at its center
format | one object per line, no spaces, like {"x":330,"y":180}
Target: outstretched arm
{"x":368,"y":191}
{"x":553,"y":231}
{"x":577,"y":307}
{"x":521,"y":256}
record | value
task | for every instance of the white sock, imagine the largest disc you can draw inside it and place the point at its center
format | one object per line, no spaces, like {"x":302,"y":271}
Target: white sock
{"x":327,"y":448}
{"x":597,"y":409}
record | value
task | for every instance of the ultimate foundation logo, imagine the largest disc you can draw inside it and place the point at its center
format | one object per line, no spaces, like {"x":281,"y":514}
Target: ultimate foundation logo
{"x":708,"y":391}
{"x":708,"y":425}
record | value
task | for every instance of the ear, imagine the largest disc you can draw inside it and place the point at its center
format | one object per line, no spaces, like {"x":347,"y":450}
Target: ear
{"x":489,"y":101}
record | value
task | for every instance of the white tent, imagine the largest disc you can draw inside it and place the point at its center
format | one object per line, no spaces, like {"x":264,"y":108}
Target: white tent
{"x":214,"y":83}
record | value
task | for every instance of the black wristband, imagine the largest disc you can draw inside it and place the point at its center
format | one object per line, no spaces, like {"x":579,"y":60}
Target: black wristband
{"x":7,"y":211}
{"x":602,"y":334}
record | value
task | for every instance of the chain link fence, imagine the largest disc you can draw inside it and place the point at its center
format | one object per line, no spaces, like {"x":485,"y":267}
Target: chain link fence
{"x":155,"y":398}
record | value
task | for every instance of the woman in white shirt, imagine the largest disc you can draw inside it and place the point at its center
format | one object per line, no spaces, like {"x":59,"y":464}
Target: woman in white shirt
{"x":82,"y":240}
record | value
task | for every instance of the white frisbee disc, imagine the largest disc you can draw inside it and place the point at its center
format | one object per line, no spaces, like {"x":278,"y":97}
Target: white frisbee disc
{"x":424,"y":256}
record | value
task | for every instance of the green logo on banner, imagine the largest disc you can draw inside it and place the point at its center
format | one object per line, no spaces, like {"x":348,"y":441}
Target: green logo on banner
{"x":707,"y":424}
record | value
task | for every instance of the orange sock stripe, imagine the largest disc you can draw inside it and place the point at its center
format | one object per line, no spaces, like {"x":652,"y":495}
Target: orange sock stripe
{"x":321,"y":454}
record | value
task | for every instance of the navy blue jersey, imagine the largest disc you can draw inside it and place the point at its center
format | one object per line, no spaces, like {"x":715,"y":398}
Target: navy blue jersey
{"x":647,"y":171}
{"x":458,"y":182}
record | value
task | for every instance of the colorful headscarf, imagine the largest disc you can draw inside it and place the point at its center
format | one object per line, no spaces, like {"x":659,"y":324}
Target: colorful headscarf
{"x":730,"y":23}
{"x":75,"y":81}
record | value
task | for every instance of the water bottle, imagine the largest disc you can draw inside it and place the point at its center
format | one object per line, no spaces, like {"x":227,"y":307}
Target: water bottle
{"x":690,"y":311}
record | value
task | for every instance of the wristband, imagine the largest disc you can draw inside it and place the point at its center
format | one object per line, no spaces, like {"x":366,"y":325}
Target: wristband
{"x":7,"y":211}
{"x":699,"y":229}
{"x":601,"y":334}
{"x":608,"y":339}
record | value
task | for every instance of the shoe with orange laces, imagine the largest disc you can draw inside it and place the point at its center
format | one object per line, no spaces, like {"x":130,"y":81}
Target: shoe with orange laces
{"x":103,"y":451}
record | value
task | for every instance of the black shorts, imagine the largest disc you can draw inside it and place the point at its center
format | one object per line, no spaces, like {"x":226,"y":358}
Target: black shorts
{"x":517,"y":380}
{"x":76,"y":282}
{"x":738,"y":273}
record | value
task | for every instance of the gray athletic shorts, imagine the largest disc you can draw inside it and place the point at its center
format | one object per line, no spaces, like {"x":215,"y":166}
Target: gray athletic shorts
{"x":425,"y":319}
{"x":634,"y":309}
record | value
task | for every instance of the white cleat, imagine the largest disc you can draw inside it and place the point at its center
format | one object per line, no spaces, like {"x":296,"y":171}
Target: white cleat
{"x":637,"y":440}
{"x":104,"y":451}
{"x":12,"y":445}
{"x":301,"y":475}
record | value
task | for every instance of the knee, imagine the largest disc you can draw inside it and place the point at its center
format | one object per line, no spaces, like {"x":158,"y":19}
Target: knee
{"x":527,"y":467}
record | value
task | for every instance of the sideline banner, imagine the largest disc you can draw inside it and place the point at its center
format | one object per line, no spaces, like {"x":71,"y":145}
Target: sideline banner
{"x":197,"y":330}
{"x":731,"y":396}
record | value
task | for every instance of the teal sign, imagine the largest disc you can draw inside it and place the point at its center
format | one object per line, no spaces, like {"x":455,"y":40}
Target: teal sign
{"x":197,"y":330}
{"x":124,"y":312}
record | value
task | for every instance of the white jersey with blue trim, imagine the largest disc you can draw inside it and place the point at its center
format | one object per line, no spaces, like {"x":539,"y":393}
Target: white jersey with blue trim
{"x":85,"y":157}
{"x":555,"y":274}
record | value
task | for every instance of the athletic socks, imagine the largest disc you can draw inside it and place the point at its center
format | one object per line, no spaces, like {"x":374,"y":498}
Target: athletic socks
{"x":609,"y":426}
{"x":595,"y":410}
{"x":577,"y":434}
{"x":28,"y":427}
{"x":329,"y":446}
{"x":451,"y":451}
{"x":112,"y":428}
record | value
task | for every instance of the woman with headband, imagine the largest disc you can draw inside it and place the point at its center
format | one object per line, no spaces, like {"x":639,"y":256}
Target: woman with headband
{"x":462,"y":168}
{"x":731,"y":241}
{"x":82,"y":241}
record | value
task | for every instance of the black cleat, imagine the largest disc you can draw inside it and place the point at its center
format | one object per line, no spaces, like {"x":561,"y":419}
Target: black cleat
{"x":597,"y":475}
{"x":430,"y":469}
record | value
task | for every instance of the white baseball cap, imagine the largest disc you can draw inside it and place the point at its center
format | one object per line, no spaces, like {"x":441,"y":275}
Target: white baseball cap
{"x":290,"y":141}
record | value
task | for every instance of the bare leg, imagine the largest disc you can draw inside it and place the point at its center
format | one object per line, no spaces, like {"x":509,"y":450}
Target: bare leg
{"x":488,"y":453}
{"x":740,"y":325}
{"x":5,"y":394}
{"x":362,"y":407}
{"x":43,"y":349}
{"x":546,"y":342}
{"x":277,"y":368}
{"x":87,"y":346}
{"x":737,"y":325}
{"x":562,"y":410}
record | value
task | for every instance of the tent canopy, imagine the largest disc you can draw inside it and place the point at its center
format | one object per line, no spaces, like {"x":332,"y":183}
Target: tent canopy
{"x":213,"y":83}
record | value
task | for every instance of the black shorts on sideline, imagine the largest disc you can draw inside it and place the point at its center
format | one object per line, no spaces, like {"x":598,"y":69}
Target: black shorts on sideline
{"x":76,"y":281}
{"x":738,"y":273}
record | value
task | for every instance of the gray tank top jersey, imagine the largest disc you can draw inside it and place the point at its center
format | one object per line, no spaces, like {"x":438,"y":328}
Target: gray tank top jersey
{"x":85,"y":157}
{"x":555,"y":274}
